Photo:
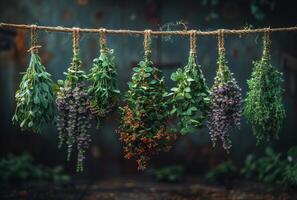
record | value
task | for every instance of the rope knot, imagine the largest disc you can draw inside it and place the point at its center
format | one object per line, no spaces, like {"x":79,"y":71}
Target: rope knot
{"x":34,"y":47}
{"x":75,"y":40}
{"x":147,"y":41}
{"x":193,"y":41}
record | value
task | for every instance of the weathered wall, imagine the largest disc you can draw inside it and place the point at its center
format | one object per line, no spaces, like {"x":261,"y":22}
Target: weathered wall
{"x":105,"y":153}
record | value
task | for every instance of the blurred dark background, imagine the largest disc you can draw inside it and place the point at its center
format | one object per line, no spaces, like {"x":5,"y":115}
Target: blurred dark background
{"x":194,"y":152}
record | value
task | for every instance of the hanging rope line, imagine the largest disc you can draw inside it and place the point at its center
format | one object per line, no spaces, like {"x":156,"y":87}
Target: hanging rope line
{"x":135,"y":32}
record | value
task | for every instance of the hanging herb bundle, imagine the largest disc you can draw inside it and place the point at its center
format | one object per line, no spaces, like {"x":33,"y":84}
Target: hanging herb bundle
{"x":191,"y":96}
{"x":35,"y":104}
{"x":264,"y":108}
{"x":225,"y":109}
{"x":74,"y":119}
{"x":143,"y":127}
{"x":103,"y":92}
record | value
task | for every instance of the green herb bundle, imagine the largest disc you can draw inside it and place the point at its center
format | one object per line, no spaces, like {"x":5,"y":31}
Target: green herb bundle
{"x":74,"y":118}
{"x":35,"y":104}
{"x":264,"y":108}
{"x":143,"y":123}
{"x":103,"y":92}
{"x":191,"y":97}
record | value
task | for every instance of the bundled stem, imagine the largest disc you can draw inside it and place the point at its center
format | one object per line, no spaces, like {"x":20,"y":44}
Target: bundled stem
{"x":264,"y":107}
{"x":104,"y":91}
{"x":143,"y":124}
{"x":35,"y":105}
{"x":225,"y":108}
{"x":74,"y":118}
{"x":191,"y":96}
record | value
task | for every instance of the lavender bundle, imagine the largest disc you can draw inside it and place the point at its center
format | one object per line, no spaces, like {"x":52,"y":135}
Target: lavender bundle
{"x":74,"y":119}
{"x":225,"y":108}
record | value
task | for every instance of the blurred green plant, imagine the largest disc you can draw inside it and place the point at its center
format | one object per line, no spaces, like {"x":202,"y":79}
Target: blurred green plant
{"x":271,"y":168}
{"x":171,"y":173}
{"x":224,"y":171}
{"x":15,"y":169}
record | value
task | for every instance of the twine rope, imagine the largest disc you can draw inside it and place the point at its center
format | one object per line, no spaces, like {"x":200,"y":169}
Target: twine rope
{"x":221,"y":42}
{"x":266,"y":43}
{"x":75,"y":40}
{"x":147,"y":41}
{"x":34,"y":47}
{"x":135,"y":32}
{"x":193,"y":42}
{"x":102,"y":38}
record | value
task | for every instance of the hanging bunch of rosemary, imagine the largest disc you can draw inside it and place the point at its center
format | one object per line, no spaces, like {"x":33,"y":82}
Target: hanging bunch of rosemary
{"x":264,"y":108}
{"x":35,"y":104}
{"x":143,"y":127}
{"x":74,"y":119}
{"x":103,"y":92}
{"x":225,"y":109}
{"x":191,"y":96}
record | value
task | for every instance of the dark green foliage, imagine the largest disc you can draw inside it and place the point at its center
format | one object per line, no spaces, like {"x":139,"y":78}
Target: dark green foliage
{"x":264,"y":108}
{"x":144,"y":118}
{"x":191,"y":97}
{"x":35,"y":104}
{"x":74,"y":118}
{"x":170,"y":173}
{"x":271,"y":168}
{"x":16,"y":169}
{"x":225,"y":108}
{"x":223,"y":172}
{"x":103,"y":92}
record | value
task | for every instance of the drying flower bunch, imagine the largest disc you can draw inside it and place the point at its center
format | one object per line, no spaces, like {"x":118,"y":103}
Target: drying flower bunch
{"x":103,"y":91}
{"x":35,"y":104}
{"x":74,"y":118}
{"x":191,"y":96}
{"x":225,"y":108}
{"x":143,"y":123}
{"x":264,"y":108}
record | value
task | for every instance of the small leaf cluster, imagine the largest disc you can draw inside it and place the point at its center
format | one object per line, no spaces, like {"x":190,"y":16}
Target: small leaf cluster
{"x":264,"y":108}
{"x":74,"y":118}
{"x":225,"y":108}
{"x":35,"y":104}
{"x":143,"y":126}
{"x":270,"y":168}
{"x":190,"y":99}
{"x":103,"y":91}
{"x":22,"y":168}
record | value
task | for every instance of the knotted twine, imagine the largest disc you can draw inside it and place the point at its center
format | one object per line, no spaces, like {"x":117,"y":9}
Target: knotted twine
{"x":34,"y":47}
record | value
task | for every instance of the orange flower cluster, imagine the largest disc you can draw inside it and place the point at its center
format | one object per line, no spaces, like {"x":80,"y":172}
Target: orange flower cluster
{"x":141,"y":143}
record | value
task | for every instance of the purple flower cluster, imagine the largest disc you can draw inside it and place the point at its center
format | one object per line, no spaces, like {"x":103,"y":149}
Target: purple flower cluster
{"x":225,"y":112}
{"x":74,"y":120}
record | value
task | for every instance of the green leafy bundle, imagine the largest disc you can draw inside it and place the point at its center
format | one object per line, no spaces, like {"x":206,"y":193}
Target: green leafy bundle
{"x":103,"y":92}
{"x":144,"y":119}
{"x":35,"y":104}
{"x":191,"y":97}
{"x":74,"y":118}
{"x":264,"y":108}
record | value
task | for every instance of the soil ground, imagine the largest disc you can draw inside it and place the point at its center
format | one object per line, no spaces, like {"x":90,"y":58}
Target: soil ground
{"x":127,"y":188}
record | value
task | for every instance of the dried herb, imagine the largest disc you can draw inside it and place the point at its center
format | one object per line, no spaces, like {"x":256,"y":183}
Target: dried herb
{"x":225,"y":109}
{"x":103,"y":92}
{"x":191,"y":96}
{"x":74,"y":119}
{"x":143,"y":124}
{"x":35,"y":104}
{"x":264,"y":108}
